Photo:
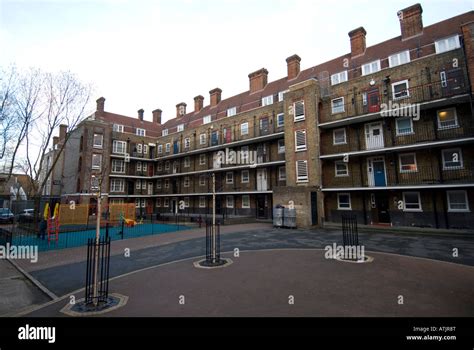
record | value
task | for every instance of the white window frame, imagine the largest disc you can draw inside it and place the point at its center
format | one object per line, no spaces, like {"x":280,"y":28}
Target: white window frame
{"x":138,"y":184}
{"x":117,"y":128}
{"x":298,"y":118}
{"x":367,"y":67}
{"x":245,"y":206}
{"x":117,"y":185}
{"x":244,"y":129}
{"x":139,"y":166}
{"x":338,"y":78}
{"x":164,"y":132}
{"x":267,"y":100}
{"x":187,"y":143}
{"x":115,"y":147}
{"x":339,"y":162}
{"x":420,"y":209}
{"x":139,"y":147}
{"x":231,"y":111}
{"x":279,"y":125}
{"x":158,"y":184}
{"x":145,"y":149}
{"x":187,"y":162}
{"x":402,"y":171}
{"x":334,"y":137}
{"x":96,"y":166}
{"x":207,"y":119}
{"x":203,"y":139}
{"x":167,"y":165}
{"x":166,"y":202}
{"x":167,"y":183}
{"x":118,"y":166}
{"x":245,"y":179}
{"x":202,"y":159}
{"x":168,"y":148}
{"x":180,"y":128}
{"x":281,"y":170}
{"x":397,"y":129}
{"x":339,"y":201}
{"x":160,"y":149}
{"x":299,"y":178}
{"x":144,"y":166}
{"x":202,"y":202}
{"x":341,"y":109}
{"x":229,"y":180}
{"x":99,"y":145}
{"x":281,"y":95}
{"x":186,"y":202}
{"x":281,"y":148}
{"x":461,"y":161}
{"x":144,"y":186}
{"x":451,"y":210}
{"x":446,"y":41}
{"x":140,"y":132}
{"x":229,"y":202}
{"x":202,"y":180}
{"x":407,"y":89}
{"x":456,"y":125}
{"x":186,"y":181}
{"x":158,"y":202}
{"x":302,"y":147}
{"x":159,"y":166}
{"x":397,"y":57}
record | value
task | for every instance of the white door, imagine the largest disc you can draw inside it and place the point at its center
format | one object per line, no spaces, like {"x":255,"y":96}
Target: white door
{"x":374,"y":135}
{"x":150,"y":188}
{"x":261,"y":179}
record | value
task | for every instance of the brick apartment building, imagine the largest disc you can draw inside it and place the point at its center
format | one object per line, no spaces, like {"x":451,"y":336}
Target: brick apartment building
{"x":384,"y":131}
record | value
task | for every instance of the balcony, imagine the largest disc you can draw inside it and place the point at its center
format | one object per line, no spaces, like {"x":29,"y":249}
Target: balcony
{"x":381,"y":177}
{"x":384,"y":98}
{"x":388,"y":133}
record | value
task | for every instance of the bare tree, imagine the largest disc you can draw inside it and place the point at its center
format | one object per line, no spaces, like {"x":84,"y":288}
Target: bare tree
{"x":8,"y":119}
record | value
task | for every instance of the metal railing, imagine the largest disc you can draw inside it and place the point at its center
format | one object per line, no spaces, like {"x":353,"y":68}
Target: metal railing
{"x":97,"y":270}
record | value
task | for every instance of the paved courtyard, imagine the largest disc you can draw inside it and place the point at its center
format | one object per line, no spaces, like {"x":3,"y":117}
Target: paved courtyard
{"x":274,"y":267}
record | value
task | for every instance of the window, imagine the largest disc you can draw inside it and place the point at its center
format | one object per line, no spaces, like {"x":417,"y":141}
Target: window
{"x":167,"y":183}
{"x":301,"y":171}
{"x":207,"y":119}
{"x":145,"y":149}
{"x":282,"y":173}
{"x":202,"y":159}
{"x":399,"y":58}
{"x":245,"y":177}
{"x":119,"y":147}
{"x":280,"y":120}
{"x":447,"y":44}
{"x":337,"y":105}
{"x":187,"y":143}
{"x":186,"y":181}
{"x":96,"y":161}
{"x":139,"y":166}
{"x":158,"y":202}
{"x":400,"y":89}
{"x":167,"y":165}
{"x":339,"y":78}
{"x":245,"y":201}
{"x":137,"y":202}
{"x":202,"y":139}
{"x":141,"y":132}
{"x":229,"y":178}
{"x":300,"y":140}
{"x":299,"y":111}
{"x":452,"y":159}
{"x":138,"y":184}
{"x":94,"y":183}
{"x":158,"y":184}
{"x":342,"y":169}
{"x":202,"y":202}
{"x":281,"y":146}
{"x":229,"y":201}
{"x":344,"y":201}
{"x":202,"y":180}
{"x":160,"y":149}
{"x":267,"y":100}
{"x":117,"y":185}
{"x":168,"y":148}
{"x":159,"y":167}
{"x":281,"y":95}
{"x":411,"y":201}
{"x":118,"y":166}
{"x":117,"y":128}
{"x":404,"y":126}
{"x":244,"y":154}
{"x":98,"y":140}
{"x":144,"y":166}
{"x":457,"y":201}
{"x":164,"y":132}
{"x":180,"y":128}
{"x":371,"y":67}
{"x":364,"y":98}
{"x":408,"y":163}
{"x":231,"y":111}
{"x":187,"y":162}
{"x":143,"y":185}
{"x":447,"y":118}
{"x":166,"y":202}
{"x":244,"y":129}
{"x":139,"y":147}
{"x":339,"y":136}
{"x":186,"y":202}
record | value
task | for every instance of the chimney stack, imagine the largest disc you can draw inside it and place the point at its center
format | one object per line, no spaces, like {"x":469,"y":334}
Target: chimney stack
{"x":62,"y":132}
{"x":258,"y":80}
{"x":293,"y":66}
{"x":157,"y":116}
{"x":140,"y":114}
{"x":55,"y":141}
{"x":100,"y":104}
{"x":180,"y":109}
{"x":411,"y":23}
{"x":198,"y":103}
{"x":357,"y":41}
{"x":215,"y":96}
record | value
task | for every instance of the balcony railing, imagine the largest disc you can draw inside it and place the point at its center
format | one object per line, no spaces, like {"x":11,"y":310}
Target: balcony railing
{"x":423,"y":175}
{"x":383,"y":98}
{"x":382,"y":134}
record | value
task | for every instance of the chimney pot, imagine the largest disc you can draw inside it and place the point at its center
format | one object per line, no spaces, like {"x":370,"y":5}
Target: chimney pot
{"x":358,"y":44}
{"x":157,"y":116}
{"x":180,"y":109}
{"x":215,"y":95}
{"x":411,"y":23}
{"x":293,"y":66}
{"x":140,"y":114}
{"x":258,"y":80}
{"x":100,"y":104}
{"x":198,"y":103}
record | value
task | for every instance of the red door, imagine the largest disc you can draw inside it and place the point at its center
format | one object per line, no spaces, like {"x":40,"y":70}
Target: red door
{"x":373,"y":101}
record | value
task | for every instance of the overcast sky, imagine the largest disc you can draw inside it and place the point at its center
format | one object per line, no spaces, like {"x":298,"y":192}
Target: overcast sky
{"x":155,"y":54}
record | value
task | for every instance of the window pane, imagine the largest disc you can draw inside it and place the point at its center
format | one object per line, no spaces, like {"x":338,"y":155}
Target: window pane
{"x":404,"y":126}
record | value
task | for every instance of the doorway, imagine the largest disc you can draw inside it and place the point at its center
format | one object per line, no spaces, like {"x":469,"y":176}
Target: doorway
{"x":376,"y":172}
{"x":374,"y":135}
